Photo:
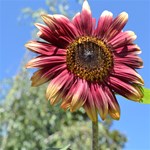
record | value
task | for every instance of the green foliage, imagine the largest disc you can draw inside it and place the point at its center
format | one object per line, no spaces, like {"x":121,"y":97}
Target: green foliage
{"x":65,"y":148}
{"x":52,"y":7}
{"x":29,"y":122}
{"x":146,"y":98}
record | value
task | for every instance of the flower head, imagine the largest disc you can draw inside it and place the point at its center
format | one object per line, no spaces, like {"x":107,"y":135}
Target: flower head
{"x":87,"y":64}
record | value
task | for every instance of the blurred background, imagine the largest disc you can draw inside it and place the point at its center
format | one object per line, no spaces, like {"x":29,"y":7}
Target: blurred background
{"x":27,"y":121}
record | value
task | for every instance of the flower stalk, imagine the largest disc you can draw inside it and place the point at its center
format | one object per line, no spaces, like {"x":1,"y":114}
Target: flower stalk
{"x":95,"y":134}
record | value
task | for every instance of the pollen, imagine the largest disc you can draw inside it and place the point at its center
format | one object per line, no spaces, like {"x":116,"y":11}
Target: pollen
{"x":89,"y":58}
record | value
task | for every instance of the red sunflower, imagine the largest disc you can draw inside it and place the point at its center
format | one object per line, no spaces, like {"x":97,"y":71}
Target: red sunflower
{"x":87,"y":65}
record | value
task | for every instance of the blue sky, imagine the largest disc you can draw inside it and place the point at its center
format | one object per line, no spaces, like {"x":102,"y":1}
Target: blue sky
{"x":135,"y":117}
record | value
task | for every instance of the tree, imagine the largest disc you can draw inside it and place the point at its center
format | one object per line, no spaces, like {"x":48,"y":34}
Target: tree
{"x":29,"y":122}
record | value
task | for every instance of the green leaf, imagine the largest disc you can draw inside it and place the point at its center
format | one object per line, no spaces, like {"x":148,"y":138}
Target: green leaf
{"x":146,"y":98}
{"x":53,"y":148}
{"x":65,"y":148}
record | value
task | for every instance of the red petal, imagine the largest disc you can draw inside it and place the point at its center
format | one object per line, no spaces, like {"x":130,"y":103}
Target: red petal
{"x":84,"y":21}
{"x":56,"y":84}
{"x":100,"y":99}
{"x":62,"y":92}
{"x":44,"y":48}
{"x":104,"y":23}
{"x":77,"y":22}
{"x":79,"y":95}
{"x":130,"y":60}
{"x":122,"y":39}
{"x":44,"y":61}
{"x":114,"y":109}
{"x":116,"y":26}
{"x":61,"y":25}
{"x":47,"y":34}
{"x":90,"y":107}
{"x":127,"y":90}
{"x":127,"y":49}
{"x":45,"y":74}
{"x":127,"y":74}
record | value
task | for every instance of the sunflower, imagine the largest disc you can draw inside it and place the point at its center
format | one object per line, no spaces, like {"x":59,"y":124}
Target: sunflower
{"x":87,"y":64}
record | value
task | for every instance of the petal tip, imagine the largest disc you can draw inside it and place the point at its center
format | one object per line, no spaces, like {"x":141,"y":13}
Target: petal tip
{"x":38,"y":25}
{"x":106,"y":13}
{"x":33,"y":84}
{"x":28,"y":44}
{"x":27,"y":65}
{"x":39,"y":33}
{"x":103,"y":118}
{"x":115,"y":115}
{"x":86,"y":6}
{"x":125,"y":15}
{"x":44,"y":17}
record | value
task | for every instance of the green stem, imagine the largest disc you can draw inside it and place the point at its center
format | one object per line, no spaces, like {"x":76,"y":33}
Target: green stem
{"x":95,"y":135}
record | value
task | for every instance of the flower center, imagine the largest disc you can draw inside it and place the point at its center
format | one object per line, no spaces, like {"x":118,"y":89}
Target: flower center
{"x":89,"y":58}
